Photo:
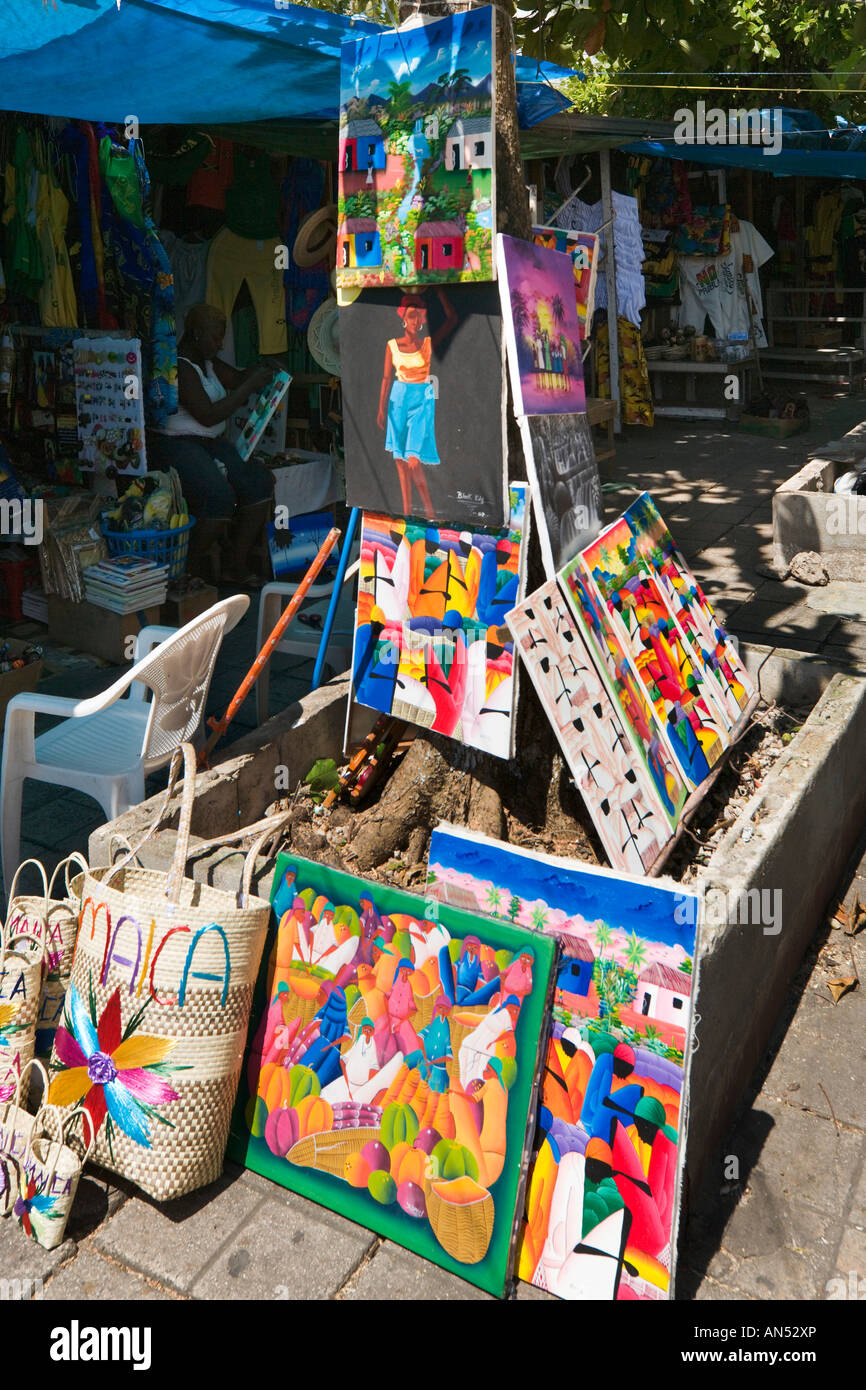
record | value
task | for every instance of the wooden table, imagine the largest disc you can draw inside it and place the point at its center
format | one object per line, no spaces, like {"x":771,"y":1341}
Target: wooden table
{"x":687,"y":409}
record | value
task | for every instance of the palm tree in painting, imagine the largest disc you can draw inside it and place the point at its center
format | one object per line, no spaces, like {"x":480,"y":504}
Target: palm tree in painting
{"x":687,"y":966}
{"x":494,"y":899}
{"x":635,"y":952}
{"x":557,"y":309}
{"x":456,"y":82}
{"x":603,"y":936}
{"x":538,"y":917}
{"x":520,"y":318}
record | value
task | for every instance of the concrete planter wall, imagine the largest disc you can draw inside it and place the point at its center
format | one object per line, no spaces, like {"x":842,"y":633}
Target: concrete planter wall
{"x":808,"y":515}
{"x":793,"y":838}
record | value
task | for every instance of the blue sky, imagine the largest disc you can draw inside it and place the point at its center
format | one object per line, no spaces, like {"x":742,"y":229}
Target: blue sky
{"x":417,"y":55}
{"x":633,"y":904}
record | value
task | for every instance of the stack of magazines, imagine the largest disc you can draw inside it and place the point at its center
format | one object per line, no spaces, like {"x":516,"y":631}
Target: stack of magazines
{"x":126,"y":584}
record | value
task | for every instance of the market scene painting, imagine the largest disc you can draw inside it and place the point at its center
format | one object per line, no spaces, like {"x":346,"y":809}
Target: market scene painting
{"x":392,"y":1062}
{"x":602,"y":1199}
{"x":417,"y":155}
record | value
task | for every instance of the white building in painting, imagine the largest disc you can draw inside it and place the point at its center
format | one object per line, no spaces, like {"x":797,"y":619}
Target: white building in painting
{"x":663,"y":994}
{"x":469,"y":144}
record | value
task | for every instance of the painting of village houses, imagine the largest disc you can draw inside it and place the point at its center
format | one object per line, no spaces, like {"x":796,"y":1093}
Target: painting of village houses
{"x":602,"y":1199}
{"x":416,"y":155}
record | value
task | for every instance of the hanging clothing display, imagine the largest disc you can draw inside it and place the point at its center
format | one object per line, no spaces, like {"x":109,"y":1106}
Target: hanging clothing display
{"x":822,"y":232}
{"x":188,"y":259}
{"x":207,"y":187}
{"x":636,"y":400}
{"x":24,"y":269}
{"x":628,"y":250}
{"x":57,"y":304}
{"x":302,"y":195}
{"x":253,"y":200}
{"x":234,"y":259}
{"x":716,"y":286}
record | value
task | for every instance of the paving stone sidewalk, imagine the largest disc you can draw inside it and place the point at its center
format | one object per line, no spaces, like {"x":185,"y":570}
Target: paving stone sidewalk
{"x":790,"y":1222}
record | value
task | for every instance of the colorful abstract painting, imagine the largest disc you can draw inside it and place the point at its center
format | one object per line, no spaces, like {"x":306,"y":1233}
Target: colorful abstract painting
{"x":729,"y":680}
{"x":536,"y":288}
{"x":603,"y":1195}
{"x":417,"y":154}
{"x":638,"y":716}
{"x":393,"y":1055}
{"x":561,"y":464}
{"x":582,"y":247}
{"x":692,"y":720}
{"x":431,"y":642}
{"x":423,"y":404}
{"x":601,"y":757}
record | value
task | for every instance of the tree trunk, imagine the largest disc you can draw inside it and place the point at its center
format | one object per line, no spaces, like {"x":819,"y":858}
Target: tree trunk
{"x":529,"y":799}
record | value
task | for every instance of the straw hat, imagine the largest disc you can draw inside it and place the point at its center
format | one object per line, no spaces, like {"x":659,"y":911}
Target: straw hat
{"x":323,"y":337}
{"x":317,"y":238}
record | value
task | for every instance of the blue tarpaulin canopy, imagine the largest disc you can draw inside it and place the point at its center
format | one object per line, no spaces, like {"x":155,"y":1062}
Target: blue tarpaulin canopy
{"x":807,"y":147}
{"x":194,"y":62}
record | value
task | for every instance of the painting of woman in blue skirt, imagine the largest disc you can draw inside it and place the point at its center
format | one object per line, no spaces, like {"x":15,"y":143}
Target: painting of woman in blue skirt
{"x":407,"y":400}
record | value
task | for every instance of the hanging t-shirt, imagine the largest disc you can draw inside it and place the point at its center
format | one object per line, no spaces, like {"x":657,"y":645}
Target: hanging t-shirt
{"x":716,"y":286}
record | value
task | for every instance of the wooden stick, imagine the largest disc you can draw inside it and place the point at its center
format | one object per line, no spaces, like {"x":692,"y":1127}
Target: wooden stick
{"x":219,"y":726}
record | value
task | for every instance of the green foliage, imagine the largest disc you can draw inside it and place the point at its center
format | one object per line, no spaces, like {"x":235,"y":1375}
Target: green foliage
{"x":322,"y":777}
{"x":653,"y":56}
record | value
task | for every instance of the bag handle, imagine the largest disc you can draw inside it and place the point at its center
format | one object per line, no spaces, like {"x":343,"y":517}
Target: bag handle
{"x":49,"y":1175}
{"x":6,"y":937}
{"x":264,"y":830}
{"x":184,"y":755}
{"x":12,"y":1115}
{"x":176,"y":873}
{"x":73,"y":858}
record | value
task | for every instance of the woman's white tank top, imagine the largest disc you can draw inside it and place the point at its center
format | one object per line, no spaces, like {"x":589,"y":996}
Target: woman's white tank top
{"x":183,"y":422}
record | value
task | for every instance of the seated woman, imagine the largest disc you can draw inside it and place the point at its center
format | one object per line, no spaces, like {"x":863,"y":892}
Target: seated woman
{"x":215,"y":479}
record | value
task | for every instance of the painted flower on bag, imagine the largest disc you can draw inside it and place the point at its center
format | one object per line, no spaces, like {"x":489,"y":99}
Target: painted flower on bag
{"x":115,"y":1074}
{"x":33,"y":1201}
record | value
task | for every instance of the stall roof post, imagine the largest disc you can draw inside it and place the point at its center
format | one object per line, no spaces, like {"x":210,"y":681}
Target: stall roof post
{"x":608,"y":216}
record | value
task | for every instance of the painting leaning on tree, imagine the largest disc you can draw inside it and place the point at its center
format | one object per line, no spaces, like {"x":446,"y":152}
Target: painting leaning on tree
{"x":417,"y":154}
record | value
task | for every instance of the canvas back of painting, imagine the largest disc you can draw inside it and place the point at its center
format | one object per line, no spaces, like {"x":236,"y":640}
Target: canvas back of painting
{"x":423,"y":404}
{"x":603,"y":1197}
{"x":431,"y":642}
{"x":417,"y":154}
{"x":392,"y":1062}
{"x":542,"y":334}
{"x":602,"y":758}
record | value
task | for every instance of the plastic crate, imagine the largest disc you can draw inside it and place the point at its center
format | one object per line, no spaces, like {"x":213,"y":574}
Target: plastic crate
{"x":163,"y":547}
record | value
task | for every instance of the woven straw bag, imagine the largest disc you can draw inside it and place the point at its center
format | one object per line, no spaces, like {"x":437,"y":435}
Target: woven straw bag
{"x":16,"y":1129}
{"x":22,"y":956}
{"x":61,"y":926}
{"x":48,"y":1174}
{"x":156,"y":1014}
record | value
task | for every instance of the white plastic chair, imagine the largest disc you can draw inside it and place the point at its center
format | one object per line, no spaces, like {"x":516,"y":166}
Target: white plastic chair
{"x":106,"y":745}
{"x":304,"y":641}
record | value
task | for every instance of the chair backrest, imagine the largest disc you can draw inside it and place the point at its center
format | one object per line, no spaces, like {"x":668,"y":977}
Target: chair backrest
{"x":179,"y":673}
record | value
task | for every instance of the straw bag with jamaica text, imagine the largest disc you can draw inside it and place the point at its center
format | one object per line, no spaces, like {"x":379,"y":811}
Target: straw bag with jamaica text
{"x":156,"y":1013}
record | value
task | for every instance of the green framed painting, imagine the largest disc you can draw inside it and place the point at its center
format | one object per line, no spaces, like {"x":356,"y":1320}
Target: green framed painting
{"x":391,"y":1067}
